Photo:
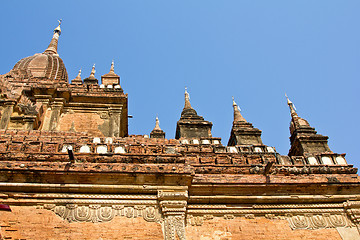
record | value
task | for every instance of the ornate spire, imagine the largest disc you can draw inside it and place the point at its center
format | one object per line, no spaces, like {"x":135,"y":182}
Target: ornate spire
{"x":304,"y":139}
{"x":243,"y":132}
{"x":237,"y":115}
{"x":78,"y":79}
{"x":191,"y":125}
{"x":111,"y":78}
{"x":52,"y":48}
{"x":157,"y":132}
{"x":187,"y":100}
{"x":291,"y":106}
{"x":79,"y":75}
{"x":157,"y":124}
{"x":92,"y":74}
{"x":112,"y":67}
{"x":91,"y":79}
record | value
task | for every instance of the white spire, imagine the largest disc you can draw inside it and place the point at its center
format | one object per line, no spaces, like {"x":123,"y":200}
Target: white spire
{"x":92,"y":74}
{"x":52,"y":48}
{"x":237,"y":115}
{"x":157,"y":124}
{"x":291,"y":106}
{"x":112,"y":66}
{"x":187,"y":99}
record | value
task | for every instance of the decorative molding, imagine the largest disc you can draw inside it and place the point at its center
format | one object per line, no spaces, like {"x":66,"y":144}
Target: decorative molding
{"x":296,"y":221}
{"x":173,"y":206}
{"x":100,"y":213}
{"x":318,"y":221}
{"x":353,"y":211}
{"x":174,"y":225}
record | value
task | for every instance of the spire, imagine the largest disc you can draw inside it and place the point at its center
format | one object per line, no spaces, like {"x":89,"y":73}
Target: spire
{"x":52,"y":48}
{"x":187,"y":100}
{"x":111,"y":78}
{"x":92,"y":74}
{"x":191,"y":125}
{"x":79,"y":75}
{"x":157,"y":132}
{"x":291,"y":106}
{"x":91,"y":79}
{"x":78,"y":79}
{"x":243,"y":132}
{"x":304,"y":139}
{"x":157,"y":124}
{"x":237,"y":115}
{"x":112,"y":67}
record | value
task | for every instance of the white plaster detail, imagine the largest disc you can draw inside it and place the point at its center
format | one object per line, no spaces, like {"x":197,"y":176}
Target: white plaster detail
{"x":232,"y":149}
{"x":270,"y":149}
{"x":102,"y":86}
{"x":195,"y":141}
{"x":205,"y":141}
{"x":101,"y":149}
{"x":216,"y":142}
{"x":313,"y":161}
{"x":340,"y":160}
{"x":146,"y":136}
{"x":97,"y":140}
{"x":65,"y":148}
{"x":120,"y":149}
{"x":109,"y":86}
{"x":117,"y":86}
{"x":85,"y":149}
{"x":184,"y":141}
{"x":258,"y":149}
{"x":327,"y":161}
{"x":108,"y":140}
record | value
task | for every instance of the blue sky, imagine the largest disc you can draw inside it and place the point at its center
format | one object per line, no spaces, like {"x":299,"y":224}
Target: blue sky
{"x":252,"y":50}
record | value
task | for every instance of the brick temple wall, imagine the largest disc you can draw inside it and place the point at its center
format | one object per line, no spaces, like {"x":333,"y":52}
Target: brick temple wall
{"x":28,"y":222}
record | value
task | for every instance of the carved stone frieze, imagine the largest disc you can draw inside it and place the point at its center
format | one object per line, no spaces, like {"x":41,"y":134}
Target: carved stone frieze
{"x":353,"y":211}
{"x":317,"y":221}
{"x":174,"y":225}
{"x":104,"y":213}
{"x":296,"y":221}
{"x":173,"y":206}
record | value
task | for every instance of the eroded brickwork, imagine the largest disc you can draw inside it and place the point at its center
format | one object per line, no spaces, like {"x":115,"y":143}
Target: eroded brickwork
{"x":34,"y":223}
{"x":255,"y":229}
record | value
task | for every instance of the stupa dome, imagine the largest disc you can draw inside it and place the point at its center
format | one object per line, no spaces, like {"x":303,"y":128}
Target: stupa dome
{"x":44,"y":65}
{"x":47,"y":65}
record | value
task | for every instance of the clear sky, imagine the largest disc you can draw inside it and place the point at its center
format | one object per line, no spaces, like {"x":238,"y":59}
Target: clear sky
{"x":252,"y":50}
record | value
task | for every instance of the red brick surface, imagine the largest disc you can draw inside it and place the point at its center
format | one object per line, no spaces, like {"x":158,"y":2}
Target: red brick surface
{"x":31,"y":223}
{"x":255,"y":229}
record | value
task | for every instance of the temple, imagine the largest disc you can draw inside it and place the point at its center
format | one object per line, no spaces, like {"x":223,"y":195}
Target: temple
{"x":70,"y":169}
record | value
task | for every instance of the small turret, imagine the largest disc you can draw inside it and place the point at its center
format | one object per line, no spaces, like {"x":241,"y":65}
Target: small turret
{"x":157,"y":132}
{"x":91,"y":79}
{"x":78,"y":79}
{"x":242,"y":132}
{"x":190,"y":124}
{"x":110,"y":78}
{"x":304,"y":139}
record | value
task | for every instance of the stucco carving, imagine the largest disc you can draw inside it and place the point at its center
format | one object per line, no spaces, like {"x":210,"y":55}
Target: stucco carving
{"x":101,"y":213}
{"x":296,"y":221}
{"x":317,"y":221}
